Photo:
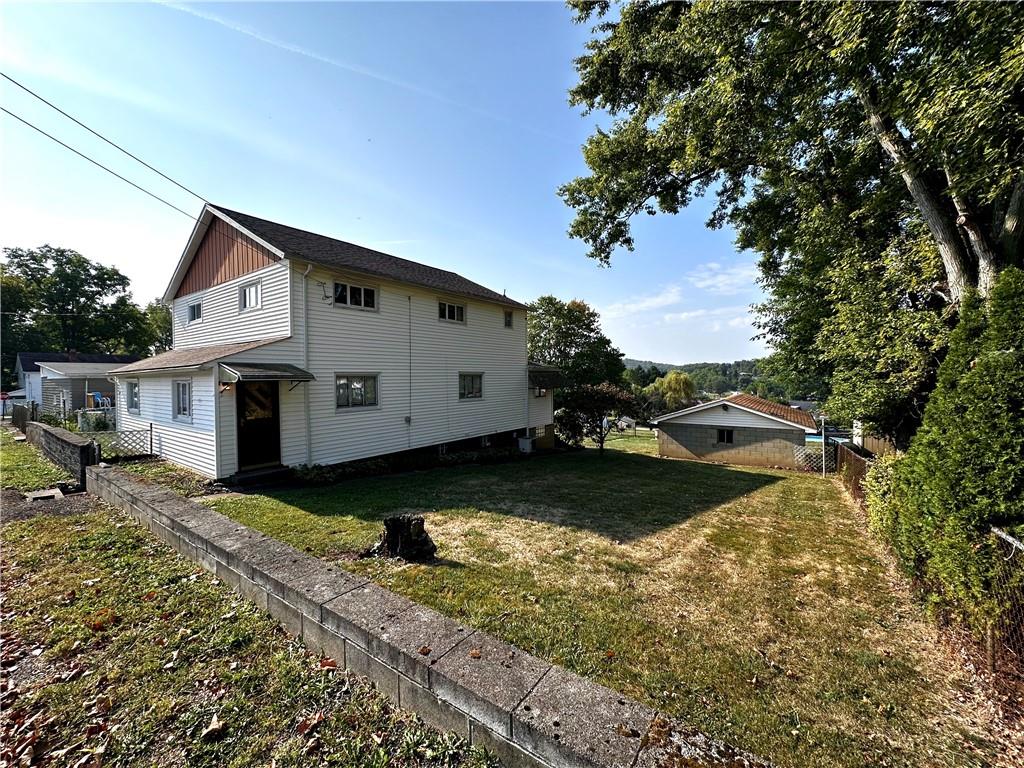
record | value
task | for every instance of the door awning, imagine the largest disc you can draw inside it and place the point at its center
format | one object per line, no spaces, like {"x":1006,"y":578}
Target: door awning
{"x":231,"y":372}
{"x":545,"y":376}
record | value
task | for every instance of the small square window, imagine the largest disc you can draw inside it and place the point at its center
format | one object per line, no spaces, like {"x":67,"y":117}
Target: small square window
{"x":471,"y":386}
{"x":453,"y":313}
{"x":508,"y":318}
{"x":195,"y":312}
{"x":725,"y":436}
{"x":249,"y":296}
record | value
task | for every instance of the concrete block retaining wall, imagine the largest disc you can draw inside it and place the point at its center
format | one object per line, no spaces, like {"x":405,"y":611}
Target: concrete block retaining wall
{"x":65,"y":449}
{"x":523,"y":709}
{"x":751,"y":446}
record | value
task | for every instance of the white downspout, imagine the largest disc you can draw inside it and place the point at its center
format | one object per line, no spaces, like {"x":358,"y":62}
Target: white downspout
{"x":305,"y":361}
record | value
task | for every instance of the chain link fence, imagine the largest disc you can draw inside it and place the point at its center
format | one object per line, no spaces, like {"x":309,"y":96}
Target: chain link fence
{"x":1004,"y":644}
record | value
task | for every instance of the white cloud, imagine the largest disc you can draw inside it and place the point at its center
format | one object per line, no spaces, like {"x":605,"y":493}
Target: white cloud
{"x":725,"y":280}
{"x":666,"y":298}
{"x":713,"y":317}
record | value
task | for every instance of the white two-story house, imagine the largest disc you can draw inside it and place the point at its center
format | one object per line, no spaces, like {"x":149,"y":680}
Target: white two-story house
{"x":292,"y":348}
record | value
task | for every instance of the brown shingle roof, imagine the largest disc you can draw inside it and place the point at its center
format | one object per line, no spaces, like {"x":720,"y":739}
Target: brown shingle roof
{"x":320,"y":249}
{"x":189,"y":358}
{"x":778,"y":410}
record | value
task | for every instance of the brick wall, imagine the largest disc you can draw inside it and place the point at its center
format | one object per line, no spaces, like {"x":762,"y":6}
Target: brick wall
{"x":751,"y":445}
{"x":65,"y":449}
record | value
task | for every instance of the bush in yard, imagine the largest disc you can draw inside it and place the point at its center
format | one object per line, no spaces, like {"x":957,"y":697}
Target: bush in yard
{"x":964,"y":470}
{"x":588,"y":411}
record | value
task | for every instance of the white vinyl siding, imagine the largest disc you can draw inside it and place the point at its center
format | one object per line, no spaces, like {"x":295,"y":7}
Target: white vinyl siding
{"x":541,"y":409}
{"x":224,"y":323}
{"x":191,"y":444}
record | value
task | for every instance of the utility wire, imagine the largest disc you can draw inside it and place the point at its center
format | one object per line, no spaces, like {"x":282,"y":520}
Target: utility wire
{"x":98,"y":164}
{"x":98,"y":135}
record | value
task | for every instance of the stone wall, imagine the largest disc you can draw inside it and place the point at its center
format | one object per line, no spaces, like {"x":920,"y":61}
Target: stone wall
{"x":751,"y":446}
{"x":65,"y":449}
{"x":525,"y":710}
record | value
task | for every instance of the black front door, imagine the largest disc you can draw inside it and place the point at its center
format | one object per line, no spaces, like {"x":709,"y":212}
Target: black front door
{"x":259,"y":427}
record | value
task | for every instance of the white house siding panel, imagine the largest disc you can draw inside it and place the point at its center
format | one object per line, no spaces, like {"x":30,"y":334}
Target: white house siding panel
{"x":191,"y":445}
{"x":733,"y":417}
{"x":224,"y":323}
{"x":418,"y":359}
{"x":541,"y":409}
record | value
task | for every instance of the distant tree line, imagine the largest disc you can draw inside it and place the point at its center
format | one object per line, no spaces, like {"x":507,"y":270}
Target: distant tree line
{"x":57,"y":300}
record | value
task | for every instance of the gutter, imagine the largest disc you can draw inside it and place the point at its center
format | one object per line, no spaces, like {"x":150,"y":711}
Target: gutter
{"x":305,"y":360}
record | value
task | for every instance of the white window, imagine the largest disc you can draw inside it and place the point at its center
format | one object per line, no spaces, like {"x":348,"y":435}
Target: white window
{"x":540,"y":392}
{"x":195,"y":312}
{"x":471,"y":386}
{"x":355,"y":390}
{"x":183,"y":400}
{"x":359,"y":296}
{"x":249,"y":296}
{"x":132,"y":396}
{"x":508,"y":318}
{"x":453,"y":313}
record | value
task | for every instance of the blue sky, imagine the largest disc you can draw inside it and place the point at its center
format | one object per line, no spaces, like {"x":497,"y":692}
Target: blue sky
{"x":437,"y":132}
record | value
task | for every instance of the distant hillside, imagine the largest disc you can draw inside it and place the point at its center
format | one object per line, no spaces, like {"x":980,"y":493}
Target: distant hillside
{"x":721,"y":377}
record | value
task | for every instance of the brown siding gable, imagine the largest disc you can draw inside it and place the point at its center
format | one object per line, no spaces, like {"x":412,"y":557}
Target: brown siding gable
{"x":223,"y":254}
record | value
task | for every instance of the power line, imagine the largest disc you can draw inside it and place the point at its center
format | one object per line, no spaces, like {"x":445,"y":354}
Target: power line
{"x":98,"y":135}
{"x":97,"y":163}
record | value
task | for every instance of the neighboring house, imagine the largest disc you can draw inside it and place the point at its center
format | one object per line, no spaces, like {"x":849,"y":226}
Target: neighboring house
{"x":72,"y":386}
{"x":738,"y":429}
{"x":879,"y":446}
{"x":292,"y":348}
{"x":30,"y":377}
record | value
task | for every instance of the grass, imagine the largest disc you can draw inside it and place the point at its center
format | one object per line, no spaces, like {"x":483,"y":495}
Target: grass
{"x":23,"y":468}
{"x":748,"y":603}
{"x":116,"y":649}
{"x":182,"y":481}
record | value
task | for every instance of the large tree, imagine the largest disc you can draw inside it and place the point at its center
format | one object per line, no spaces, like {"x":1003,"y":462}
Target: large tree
{"x":568,"y":334}
{"x":55,"y":299}
{"x":873,"y":154}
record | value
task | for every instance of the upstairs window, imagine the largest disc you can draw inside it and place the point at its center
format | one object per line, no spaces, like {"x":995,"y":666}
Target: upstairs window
{"x":195,"y":312}
{"x":471,"y":386}
{"x":359,"y":296}
{"x":249,"y":296}
{"x":355,"y":390}
{"x":725,"y":436}
{"x":132,"y":396}
{"x":454,"y":313}
{"x":183,"y":400}
{"x":508,"y":318}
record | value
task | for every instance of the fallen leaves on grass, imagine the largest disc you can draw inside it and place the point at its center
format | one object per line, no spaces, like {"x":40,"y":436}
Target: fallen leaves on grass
{"x":214,"y":730}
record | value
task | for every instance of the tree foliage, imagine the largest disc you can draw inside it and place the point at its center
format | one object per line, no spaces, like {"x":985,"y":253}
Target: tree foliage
{"x":568,"y":334}
{"x":871,"y":153}
{"x":964,"y":471}
{"x":587,"y":412}
{"x":671,"y":392}
{"x":56,"y":299}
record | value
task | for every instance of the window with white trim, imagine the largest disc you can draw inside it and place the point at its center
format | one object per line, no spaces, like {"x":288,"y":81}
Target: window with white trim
{"x":131,"y":397}
{"x":471,"y":386}
{"x":195,"y":312}
{"x":358,"y":296}
{"x":356,"y":390}
{"x":249,"y":296}
{"x":452,"y":313}
{"x":508,"y":318}
{"x":725,"y":436}
{"x":183,"y":400}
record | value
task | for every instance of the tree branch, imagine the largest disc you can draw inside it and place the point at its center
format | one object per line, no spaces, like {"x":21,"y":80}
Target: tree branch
{"x":1012,"y":232}
{"x":988,"y":259}
{"x":943,"y":232}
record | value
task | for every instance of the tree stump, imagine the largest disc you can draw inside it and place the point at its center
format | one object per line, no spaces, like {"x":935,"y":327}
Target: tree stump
{"x":404,"y":536}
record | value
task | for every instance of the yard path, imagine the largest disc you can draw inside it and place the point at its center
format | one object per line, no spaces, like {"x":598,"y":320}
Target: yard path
{"x":749,"y":603}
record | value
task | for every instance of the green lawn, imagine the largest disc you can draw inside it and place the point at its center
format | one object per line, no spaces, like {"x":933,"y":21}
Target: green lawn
{"x":749,"y":603}
{"x":118,"y":652}
{"x":23,"y":468}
